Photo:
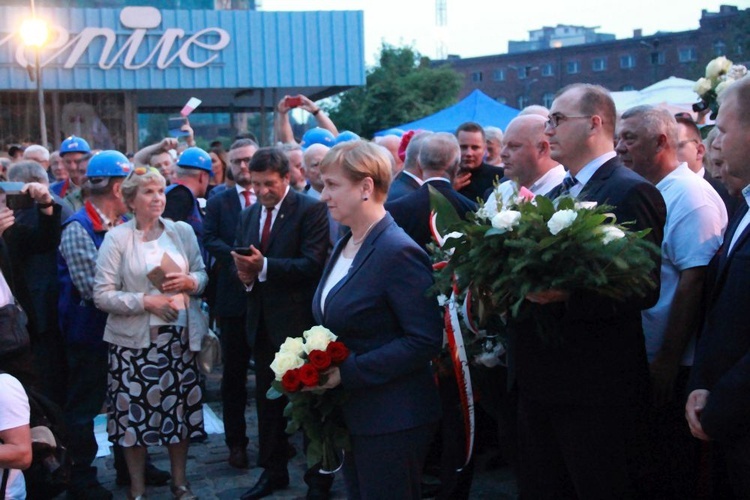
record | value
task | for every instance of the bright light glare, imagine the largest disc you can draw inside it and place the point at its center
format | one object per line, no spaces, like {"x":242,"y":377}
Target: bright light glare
{"x":34,"y":32}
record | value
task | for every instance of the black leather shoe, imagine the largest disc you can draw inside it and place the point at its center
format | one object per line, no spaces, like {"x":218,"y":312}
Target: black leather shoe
{"x":152,"y":476}
{"x":266,"y":485}
{"x":318,"y":492}
{"x":238,"y":457}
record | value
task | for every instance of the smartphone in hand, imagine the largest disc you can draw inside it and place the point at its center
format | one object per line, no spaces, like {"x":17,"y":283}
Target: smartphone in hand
{"x":293,"y":101}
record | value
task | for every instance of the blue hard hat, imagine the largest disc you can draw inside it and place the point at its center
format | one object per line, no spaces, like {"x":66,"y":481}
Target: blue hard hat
{"x":108,"y":164}
{"x":195,"y":158}
{"x":346,"y":136}
{"x":391,"y":131}
{"x":74,"y":144}
{"x":318,"y":135}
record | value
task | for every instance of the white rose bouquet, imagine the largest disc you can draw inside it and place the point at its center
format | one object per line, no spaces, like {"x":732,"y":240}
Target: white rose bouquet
{"x":300,"y":368}
{"x":720,"y":73}
{"x":538,"y":245}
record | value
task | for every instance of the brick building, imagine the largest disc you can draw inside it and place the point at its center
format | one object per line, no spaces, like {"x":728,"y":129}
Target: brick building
{"x":532,"y":77}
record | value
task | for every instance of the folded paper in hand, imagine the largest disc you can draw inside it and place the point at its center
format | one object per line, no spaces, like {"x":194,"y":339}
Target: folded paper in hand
{"x":158,"y":275}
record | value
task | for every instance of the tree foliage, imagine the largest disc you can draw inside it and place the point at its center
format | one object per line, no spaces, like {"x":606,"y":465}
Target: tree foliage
{"x":403,"y":87}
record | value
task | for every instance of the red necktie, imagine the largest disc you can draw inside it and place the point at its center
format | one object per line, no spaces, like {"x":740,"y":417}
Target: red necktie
{"x":265,"y":236}
{"x":246,"y":194}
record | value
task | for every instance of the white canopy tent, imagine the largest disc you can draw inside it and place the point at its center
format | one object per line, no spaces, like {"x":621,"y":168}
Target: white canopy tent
{"x":675,"y":94}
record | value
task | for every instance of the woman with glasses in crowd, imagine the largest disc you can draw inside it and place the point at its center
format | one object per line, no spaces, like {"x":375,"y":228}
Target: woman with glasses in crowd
{"x":149,"y":279}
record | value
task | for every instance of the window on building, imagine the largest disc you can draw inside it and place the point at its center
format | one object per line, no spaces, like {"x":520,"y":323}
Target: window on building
{"x":548,"y":70}
{"x":688,"y":54}
{"x":599,"y":64}
{"x":720,"y":48}
{"x":498,"y":75}
{"x":627,"y":61}
{"x":658,"y":57}
{"x":501,"y":100}
{"x":627,"y":87}
{"x":547,"y":99}
{"x":523,"y":72}
{"x":573,"y":67}
{"x":523,"y":101}
{"x":476,"y":76}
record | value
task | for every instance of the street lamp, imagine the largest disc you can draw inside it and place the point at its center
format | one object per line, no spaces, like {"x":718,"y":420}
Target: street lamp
{"x":34,"y":33}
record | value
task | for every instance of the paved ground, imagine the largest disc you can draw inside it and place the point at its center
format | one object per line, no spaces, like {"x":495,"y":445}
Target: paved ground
{"x":212,"y":478}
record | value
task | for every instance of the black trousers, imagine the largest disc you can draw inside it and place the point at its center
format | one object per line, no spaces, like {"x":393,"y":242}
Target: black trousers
{"x":87,"y":388}
{"x":573,"y":451}
{"x":387,"y":465}
{"x":236,"y":353}
{"x":272,"y":436}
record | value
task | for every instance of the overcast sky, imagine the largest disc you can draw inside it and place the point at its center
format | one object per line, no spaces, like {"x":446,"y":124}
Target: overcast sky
{"x":483,"y":27}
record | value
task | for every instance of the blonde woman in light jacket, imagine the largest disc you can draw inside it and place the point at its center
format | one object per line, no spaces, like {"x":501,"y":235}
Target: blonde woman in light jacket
{"x":154,"y":396}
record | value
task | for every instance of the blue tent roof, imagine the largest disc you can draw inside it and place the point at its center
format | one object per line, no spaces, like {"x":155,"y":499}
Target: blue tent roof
{"x":475,"y":107}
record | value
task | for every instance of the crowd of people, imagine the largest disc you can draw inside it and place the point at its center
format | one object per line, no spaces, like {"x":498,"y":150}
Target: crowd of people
{"x":117,"y":257}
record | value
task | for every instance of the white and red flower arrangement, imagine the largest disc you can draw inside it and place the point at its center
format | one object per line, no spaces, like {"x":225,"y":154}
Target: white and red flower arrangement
{"x":301,"y":367}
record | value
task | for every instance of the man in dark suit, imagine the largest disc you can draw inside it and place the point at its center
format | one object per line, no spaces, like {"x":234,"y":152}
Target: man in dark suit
{"x":475,"y":178}
{"x":410,"y":178}
{"x":718,"y":408}
{"x":691,"y":150}
{"x":580,"y":392}
{"x":220,"y":231}
{"x":286,"y":237}
{"x":438,"y":157}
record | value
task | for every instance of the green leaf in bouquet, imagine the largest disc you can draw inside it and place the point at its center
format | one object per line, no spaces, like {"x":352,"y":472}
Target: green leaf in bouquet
{"x":314,"y":453}
{"x":565,"y":203}
{"x":275,"y":391}
{"x":292,"y":426}
{"x":493,"y":231}
{"x":288,"y":409}
{"x":447,"y":217}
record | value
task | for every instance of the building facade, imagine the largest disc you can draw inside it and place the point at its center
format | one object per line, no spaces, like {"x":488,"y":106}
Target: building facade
{"x":533,"y":77}
{"x":103,"y":68}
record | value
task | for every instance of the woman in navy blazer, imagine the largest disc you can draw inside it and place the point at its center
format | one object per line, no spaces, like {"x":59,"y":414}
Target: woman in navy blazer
{"x":373,"y":295}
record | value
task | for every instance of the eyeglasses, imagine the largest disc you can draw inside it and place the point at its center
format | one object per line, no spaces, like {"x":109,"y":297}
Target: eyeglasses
{"x":556,"y":118}
{"x":685,"y":116}
{"x":238,"y":161}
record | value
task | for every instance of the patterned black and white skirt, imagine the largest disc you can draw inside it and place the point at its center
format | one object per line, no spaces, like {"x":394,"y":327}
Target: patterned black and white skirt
{"x":154,"y":394}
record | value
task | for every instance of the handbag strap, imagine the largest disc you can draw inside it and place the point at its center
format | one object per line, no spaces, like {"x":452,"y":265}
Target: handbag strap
{"x":6,"y":475}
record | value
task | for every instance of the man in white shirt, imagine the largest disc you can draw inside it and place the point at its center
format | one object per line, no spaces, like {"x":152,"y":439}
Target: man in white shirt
{"x":526,"y":158}
{"x":696,"y":219}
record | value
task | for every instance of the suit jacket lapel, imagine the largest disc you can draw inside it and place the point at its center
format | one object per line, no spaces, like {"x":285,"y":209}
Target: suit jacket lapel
{"x":368,"y":246}
{"x":590,"y":191}
{"x":254,"y":236}
{"x":286,"y":211}
{"x":725,"y":256}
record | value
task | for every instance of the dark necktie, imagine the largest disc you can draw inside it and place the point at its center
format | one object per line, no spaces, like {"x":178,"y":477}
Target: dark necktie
{"x":567,"y":184}
{"x":246,"y":194}
{"x":265,"y":236}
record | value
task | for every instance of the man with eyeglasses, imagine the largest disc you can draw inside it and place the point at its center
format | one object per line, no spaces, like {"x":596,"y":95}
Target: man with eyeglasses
{"x":581,"y":397}
{"x":230,"y":308}
{"x":74,"y":155}
{"x":691,"y":150}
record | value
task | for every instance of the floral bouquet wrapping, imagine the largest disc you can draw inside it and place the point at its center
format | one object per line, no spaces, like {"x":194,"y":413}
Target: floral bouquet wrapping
{"x":302,"y":363}
{"x":503,"y":253}
{"x":720,"y":73}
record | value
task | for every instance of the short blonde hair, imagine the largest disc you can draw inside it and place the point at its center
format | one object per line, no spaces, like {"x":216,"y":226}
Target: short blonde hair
{"x":139,"y":177}
{"x":359,"y":160}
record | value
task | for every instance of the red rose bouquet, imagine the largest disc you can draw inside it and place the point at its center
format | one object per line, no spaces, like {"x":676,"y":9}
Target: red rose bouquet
{"x":303,"y":363}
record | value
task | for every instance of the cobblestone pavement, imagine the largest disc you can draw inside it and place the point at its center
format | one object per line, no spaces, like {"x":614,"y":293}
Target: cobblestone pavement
{"x":212,"y":478}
